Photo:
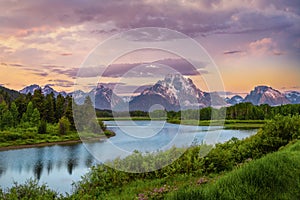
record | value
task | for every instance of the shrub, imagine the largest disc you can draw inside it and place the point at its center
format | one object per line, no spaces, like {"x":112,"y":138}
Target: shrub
{"x":29,"y":190}
{"x":63,"y":126}
{"x":42,"y":127}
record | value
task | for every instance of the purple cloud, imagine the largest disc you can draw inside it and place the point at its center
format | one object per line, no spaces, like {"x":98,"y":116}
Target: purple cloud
{"x":232,"y":52}
{"x":62,"y":83}
{"x":153,"y":69}
{"x":143,"y":69}
{"x":192,"y":18}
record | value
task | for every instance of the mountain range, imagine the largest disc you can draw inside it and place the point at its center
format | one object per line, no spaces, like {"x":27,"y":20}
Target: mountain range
{"x":174,"y":92}
{"x":266,"y":95}
{"x":47,"y":89}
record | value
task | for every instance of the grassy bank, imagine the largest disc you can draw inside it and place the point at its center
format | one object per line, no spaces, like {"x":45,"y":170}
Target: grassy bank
{"x":271,"y":177}
{"x":275,"y":176}
{"x":15,"y":138}
{"x":28,"y":136}
{"x":228,"y":124}
{"x":128,"y":118}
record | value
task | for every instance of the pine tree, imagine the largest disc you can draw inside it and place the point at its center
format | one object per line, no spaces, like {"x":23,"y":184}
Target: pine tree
{"x":3,"y":108}
{"x":7,"y":119}
{"x":48,"y":108}
{"x":35,"y":118}
{"x":21,"y":103}
{"x":69,"y":112}
{"x":42,"y":127}
{"x":38,"y":102}
{"x":60,"y":107}
{"x":63,"y":126}
{"x":15,"y":114}
{"x":27,"y":115}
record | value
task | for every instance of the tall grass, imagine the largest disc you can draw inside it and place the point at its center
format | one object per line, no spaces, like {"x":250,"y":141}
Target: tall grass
{"x":276,"y":176}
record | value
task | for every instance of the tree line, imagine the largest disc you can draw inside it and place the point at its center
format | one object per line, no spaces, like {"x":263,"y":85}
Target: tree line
{"x":242,"y":111}
{"x":36,"y":110}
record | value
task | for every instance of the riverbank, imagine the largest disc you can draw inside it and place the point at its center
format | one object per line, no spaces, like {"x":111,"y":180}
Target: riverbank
{"x":129,"y":118}
{"x":53,"y":139}
{"x":228,"y":124}
{"x":23,"y":146}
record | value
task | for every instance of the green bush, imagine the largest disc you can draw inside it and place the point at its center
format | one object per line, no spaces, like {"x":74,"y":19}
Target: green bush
{"x":29,"y":190}
{"x":63,"y":126}
{"x":42,"y":127}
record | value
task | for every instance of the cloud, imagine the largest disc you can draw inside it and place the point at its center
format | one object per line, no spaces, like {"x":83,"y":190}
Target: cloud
{"x":122,"y":88}
{"x":61,"y":83}
{"x":232,"y":52}
{"x":290,"y":88}
{"x":153,"y":69}
{"x":12,"y":64}
{"x":44,"y":74}
{"x":229,"y":93}
{"x":264,"y":46}
{"x":66,"y":54}
{"x":190,"y":17}
{"x":142,"y":69}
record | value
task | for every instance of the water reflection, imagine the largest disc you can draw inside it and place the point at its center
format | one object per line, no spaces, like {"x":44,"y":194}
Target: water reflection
{"x":37,"y":169}
{"x":49,"y":167}
{"x":58,"y":166}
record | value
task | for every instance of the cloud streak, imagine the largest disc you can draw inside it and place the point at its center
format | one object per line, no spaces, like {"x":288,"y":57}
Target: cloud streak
{"x":232,"y":52}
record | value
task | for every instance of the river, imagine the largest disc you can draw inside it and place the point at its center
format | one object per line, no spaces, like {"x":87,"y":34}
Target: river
{"x":60,"y":165}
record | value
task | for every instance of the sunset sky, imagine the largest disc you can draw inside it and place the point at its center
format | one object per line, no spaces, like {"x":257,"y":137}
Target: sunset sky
{"x":252,"y":42}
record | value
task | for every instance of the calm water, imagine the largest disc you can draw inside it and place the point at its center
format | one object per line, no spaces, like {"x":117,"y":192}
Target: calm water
{"x":61,"y":165}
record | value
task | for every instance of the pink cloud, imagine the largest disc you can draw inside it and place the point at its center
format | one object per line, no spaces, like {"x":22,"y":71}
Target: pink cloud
{"x":264,"y":46}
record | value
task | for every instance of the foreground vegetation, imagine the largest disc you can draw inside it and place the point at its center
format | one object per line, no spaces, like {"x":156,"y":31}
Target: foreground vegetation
{"x":233,"y":170}
{"x":275,"y":176}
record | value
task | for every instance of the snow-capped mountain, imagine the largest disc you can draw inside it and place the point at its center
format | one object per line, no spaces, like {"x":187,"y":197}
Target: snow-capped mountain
{"x":175,"y":92}
{"x":234,"y":100}
{"x":104,"y":98}
{"x":30,"y":89}
{"x":293,"y":97}
{"x":79,"y":96}
{"x":266,"y":95}
{"x":47,"y":89}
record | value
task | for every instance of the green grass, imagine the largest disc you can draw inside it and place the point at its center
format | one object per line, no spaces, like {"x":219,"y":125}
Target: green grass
{"x":26,"y":136}
{"x":228,"y":124}
{"x":128,"y":118}
{"x":275,"y":176}
{"x":20,"y":136}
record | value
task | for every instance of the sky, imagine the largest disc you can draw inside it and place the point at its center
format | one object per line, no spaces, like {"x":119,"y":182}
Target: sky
{"x":251,"y":42}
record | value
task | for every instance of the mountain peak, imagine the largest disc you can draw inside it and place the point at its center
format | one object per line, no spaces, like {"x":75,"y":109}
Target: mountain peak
{"x":263,"y":88}
{"x":47,"y":89}
{"x":266,"y":95}
{"x":174,"y":92}
{"x":30,"y":89}
{"x":293,"y":97}
{"x":236,"y":99}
